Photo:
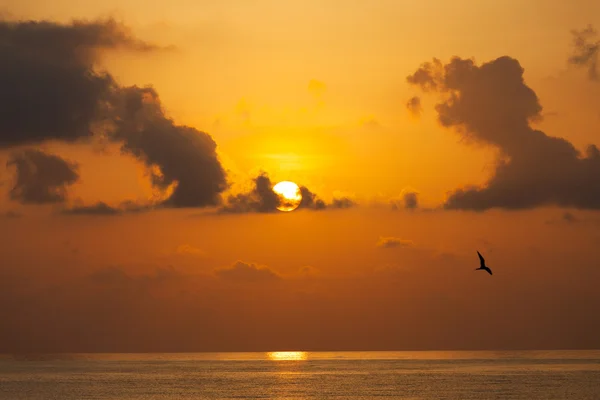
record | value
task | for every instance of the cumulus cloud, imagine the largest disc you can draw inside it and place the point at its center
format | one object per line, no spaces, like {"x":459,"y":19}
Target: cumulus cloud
{"x":413,"y":105}
{"x":51,"y":90}
{"x":41,"y":178}
{"x":394,"y":242}
{"x":262,"y":199}
{"x":586,"y":47}
{"x":491,"y":104}
{"x":247,"y":272}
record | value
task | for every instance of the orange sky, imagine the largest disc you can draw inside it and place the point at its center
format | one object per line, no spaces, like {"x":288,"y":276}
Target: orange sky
{"x":316,"y":93}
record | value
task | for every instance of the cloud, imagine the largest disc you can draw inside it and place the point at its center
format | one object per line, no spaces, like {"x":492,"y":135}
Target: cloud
{"x":41,"y":178}
{"x":342,"y":202}
{"x":51,"y":90}
{"x":262,"y":199}
{"x":394,"y":242}
{"x":409,"y":199}
{"x":187,"y":158}
{"x":103,"y":209}
{"x":413,"y":105}
{"x":310,"y":200}
{"x":492,"y":105}
{"x":586,"y":48}
{"x":247,"y":272}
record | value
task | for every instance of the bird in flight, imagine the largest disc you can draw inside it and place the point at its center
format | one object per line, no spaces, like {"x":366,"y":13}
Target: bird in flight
{"x":483,"y":266}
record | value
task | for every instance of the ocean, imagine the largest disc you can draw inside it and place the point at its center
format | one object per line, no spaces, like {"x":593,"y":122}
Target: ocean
{"x":432,"y":375}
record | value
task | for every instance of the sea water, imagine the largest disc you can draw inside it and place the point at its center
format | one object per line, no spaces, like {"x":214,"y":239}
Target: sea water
{"x":304,"y":375}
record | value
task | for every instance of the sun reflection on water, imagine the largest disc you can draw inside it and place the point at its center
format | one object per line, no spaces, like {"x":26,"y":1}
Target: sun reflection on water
{"x":287,"y":355}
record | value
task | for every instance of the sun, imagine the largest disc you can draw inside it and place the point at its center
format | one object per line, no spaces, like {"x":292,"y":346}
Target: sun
{"x":289,"y":195}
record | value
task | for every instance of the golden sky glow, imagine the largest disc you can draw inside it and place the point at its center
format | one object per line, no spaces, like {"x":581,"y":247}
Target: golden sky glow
{"x":167,"y":211}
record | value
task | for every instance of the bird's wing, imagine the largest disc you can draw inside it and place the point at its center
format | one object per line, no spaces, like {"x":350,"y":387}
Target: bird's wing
{"x":481,"y":260}
{"x":489,"y":271}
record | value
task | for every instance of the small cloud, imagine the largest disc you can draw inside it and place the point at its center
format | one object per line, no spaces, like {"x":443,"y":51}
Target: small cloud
{"x":586,"y":48}
{"x":103,"y":209}
{"x":189,"y":250}
{"x":41,"y":178}
{"x":409,"y":199}
{"x":247,"y":272}
{"x":342,"y":202}
{"x":392,"y":242}
{"x":413,"y":105}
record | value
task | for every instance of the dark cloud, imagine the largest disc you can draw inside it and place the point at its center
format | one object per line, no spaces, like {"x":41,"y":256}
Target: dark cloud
{"x":413,"y":105}
{"x":52,"y":91}
{"x":103,"y":209}
{"x":491,"y":104}
{"x":99,"y":208}
{"x":49,"y":89}
{"x":408,"y":200}
{"x":411,"y":200}
{"x":391,"y":242}
{"x":40,"y":177}
{"x":310,"y":200}
{"x":247,"y":272}
{"x":186,"y":157}
{"x":342,"y":202}
{"x":263,"y":199}
{"x":586,"y":47}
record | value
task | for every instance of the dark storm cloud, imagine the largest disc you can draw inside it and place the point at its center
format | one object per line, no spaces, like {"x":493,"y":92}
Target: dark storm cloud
{"x":491,"y":104}
{"x":51,"y":91}
{"x":413,"y":105}
{"x":40,"y":177}
{"x":586,"y":47}
{"x":247,"y":272}
{"x":263,"y":199}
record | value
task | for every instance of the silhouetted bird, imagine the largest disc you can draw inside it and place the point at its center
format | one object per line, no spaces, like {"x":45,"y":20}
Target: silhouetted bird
{"x":483,"y":266}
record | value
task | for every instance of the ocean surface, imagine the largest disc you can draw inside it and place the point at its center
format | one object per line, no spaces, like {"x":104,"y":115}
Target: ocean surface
{"x":304,"y":375}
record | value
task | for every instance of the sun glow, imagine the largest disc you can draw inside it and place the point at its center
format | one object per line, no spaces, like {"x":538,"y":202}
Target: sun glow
{"x":287,"y":355}
{"x":289,"y":195}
